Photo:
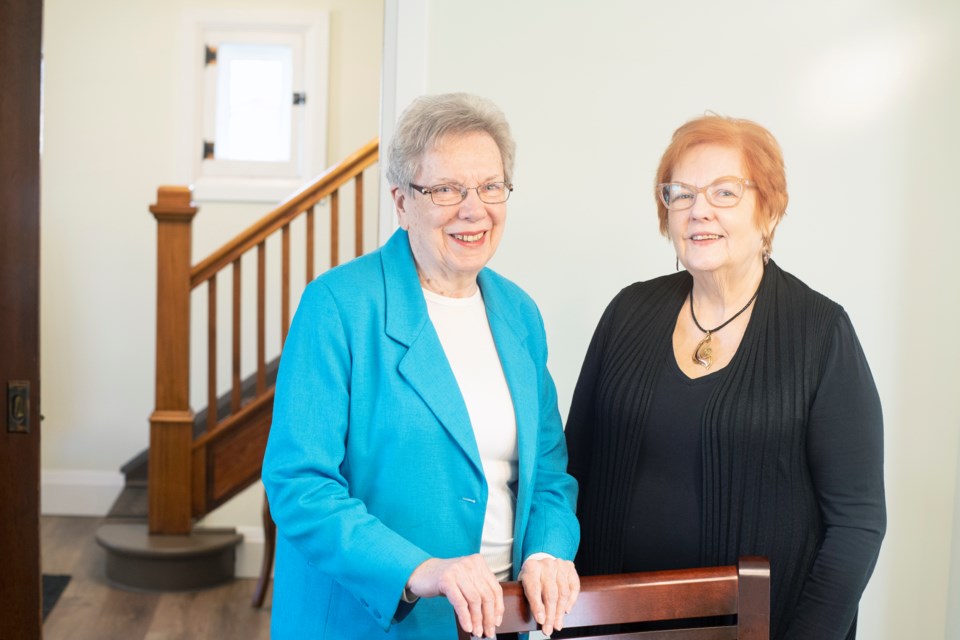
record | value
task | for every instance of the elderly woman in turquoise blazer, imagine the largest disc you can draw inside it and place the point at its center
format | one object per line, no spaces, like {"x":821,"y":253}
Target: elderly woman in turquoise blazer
{"x":416,"y":456}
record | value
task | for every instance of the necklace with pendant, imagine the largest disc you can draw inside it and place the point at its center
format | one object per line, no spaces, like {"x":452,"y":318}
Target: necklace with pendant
{"x":703,"y":354}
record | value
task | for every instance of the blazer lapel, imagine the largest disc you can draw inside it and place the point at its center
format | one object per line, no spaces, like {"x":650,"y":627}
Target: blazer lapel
{"x":425,"y":366}
{"x":519,"y":370}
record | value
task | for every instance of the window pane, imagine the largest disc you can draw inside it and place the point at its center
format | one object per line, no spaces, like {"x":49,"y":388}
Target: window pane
{"x":254,"y":98}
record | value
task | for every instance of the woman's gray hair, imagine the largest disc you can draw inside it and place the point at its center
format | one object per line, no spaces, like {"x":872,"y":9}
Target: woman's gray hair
{"x":429,"y":119}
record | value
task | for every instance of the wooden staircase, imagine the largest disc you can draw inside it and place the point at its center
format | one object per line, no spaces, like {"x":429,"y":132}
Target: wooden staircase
{"x":196,"y":462}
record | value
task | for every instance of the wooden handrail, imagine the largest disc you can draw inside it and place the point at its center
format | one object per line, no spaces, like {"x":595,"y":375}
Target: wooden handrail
{"x":235,"y":434}
{"x":325,"y":185}
{"x":741,"y":592}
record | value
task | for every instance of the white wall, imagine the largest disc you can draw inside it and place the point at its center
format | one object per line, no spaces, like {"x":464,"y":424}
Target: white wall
{"x":863,"y":97}
{"x":112,"y":95}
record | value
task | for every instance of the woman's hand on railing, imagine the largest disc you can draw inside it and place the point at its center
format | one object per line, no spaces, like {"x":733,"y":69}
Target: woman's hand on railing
{"x":468,"y":584}
{"x":551,"y":586}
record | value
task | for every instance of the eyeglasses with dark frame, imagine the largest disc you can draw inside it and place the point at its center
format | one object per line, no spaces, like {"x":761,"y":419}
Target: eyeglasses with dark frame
{"x":450,"y":194}
{"x":722,"y":192}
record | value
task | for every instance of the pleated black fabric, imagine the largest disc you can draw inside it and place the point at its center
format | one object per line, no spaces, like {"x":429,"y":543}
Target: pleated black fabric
{"x":758,"y":493}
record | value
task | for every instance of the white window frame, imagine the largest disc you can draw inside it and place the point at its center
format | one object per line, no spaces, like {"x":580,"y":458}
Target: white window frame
{"x":224,"y":180}
{"x":219,"y":167}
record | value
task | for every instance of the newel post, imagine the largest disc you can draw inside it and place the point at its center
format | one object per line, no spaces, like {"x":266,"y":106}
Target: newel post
{"x":171,"y":423}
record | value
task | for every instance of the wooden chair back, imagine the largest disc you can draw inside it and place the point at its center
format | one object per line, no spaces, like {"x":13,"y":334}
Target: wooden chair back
{"x":742,"y":591}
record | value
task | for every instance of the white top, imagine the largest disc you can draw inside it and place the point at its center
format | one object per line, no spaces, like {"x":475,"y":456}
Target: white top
{"x":461,"y":324}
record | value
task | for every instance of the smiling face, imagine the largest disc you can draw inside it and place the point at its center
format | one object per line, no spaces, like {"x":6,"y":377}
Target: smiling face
{"x":723,"y":241}
{"x":452,"y":243}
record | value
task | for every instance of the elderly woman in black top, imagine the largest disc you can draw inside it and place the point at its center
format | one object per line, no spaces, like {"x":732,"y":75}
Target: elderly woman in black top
{"x":728,"y":409}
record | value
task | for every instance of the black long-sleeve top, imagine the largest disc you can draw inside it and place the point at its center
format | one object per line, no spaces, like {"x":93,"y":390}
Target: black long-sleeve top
{"x":668,"y":485}
{"x":791,"y":447}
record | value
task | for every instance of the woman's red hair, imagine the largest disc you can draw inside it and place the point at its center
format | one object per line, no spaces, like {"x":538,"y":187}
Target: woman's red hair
{"x":762,"y":161}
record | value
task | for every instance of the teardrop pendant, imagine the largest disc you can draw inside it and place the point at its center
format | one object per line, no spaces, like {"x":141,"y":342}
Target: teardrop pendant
{"x":703,"y":354}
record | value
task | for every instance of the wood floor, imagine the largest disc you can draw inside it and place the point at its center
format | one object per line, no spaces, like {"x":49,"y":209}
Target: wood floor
{"x":90,"y":609}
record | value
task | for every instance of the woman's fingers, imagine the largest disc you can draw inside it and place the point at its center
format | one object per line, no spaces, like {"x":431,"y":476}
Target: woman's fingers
{"x":551,"y":586}
{"x":569,"y":583}
{"x":469,"y":585}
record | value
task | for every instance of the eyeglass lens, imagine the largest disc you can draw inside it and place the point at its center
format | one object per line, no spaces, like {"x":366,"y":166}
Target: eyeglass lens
{"x":725,"y":192}
{"x":490,"y":193}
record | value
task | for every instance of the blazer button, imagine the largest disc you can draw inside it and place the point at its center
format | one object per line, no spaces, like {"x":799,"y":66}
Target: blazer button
{"x":376,"y":614}
{"x":364,"y":602}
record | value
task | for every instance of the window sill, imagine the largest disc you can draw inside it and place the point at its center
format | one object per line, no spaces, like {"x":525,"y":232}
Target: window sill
{"x":215,"y":189}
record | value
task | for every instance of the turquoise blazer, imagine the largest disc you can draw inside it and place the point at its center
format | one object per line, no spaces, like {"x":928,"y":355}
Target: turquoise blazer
{"x":371,"y":465}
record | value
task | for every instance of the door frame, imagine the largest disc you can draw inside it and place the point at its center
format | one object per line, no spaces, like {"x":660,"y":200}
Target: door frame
{"x":20,"y":59}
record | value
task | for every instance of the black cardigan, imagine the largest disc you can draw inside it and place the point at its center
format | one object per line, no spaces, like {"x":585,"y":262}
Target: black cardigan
{"x":792,"y":447}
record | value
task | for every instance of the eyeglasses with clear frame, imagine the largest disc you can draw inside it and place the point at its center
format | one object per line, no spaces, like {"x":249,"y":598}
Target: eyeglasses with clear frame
{"x":450,"y":194}
{"x":722,"y":192}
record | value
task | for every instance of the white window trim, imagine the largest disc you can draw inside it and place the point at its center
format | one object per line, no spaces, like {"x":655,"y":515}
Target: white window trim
{"x":403,"y":78}
{"x":218,"y":166}
{"x":315,"y":27}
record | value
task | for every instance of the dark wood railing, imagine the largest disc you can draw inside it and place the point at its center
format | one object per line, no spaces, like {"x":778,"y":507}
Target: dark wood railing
{"x":193,"y":471}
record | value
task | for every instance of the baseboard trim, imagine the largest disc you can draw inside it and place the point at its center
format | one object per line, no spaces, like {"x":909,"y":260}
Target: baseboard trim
{"x":71,"y":492}
{"x":250,"y":552}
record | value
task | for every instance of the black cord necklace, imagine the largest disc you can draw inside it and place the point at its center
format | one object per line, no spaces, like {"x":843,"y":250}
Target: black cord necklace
{"x":703,"y":354}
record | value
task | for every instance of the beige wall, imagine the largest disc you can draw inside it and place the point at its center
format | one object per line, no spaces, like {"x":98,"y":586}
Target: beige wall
{"x":863,"y":96}
{"x":112,"y":92}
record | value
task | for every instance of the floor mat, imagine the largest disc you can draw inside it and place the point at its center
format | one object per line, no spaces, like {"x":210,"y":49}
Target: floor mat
{"x":53,"y":586}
